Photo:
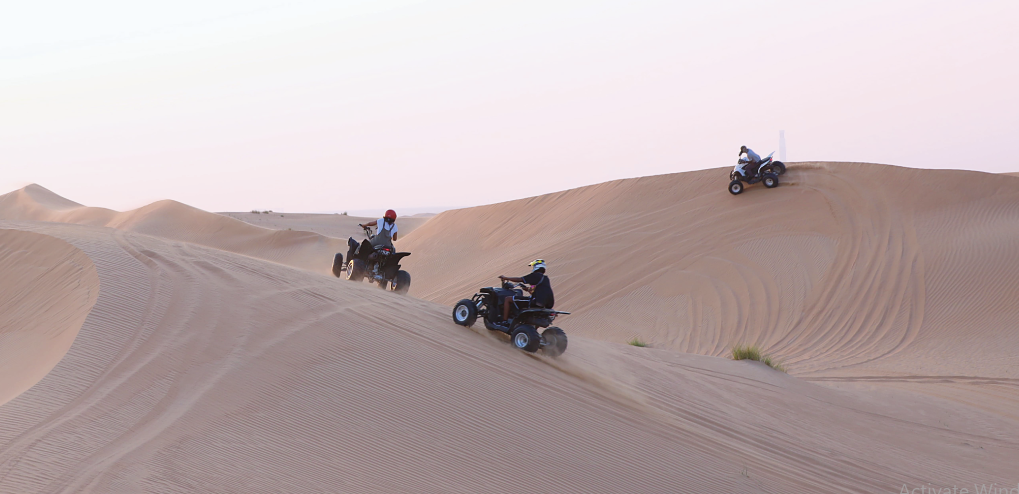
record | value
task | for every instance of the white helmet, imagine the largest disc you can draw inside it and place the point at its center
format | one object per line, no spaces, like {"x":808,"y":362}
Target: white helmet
{"x":537,"y":264}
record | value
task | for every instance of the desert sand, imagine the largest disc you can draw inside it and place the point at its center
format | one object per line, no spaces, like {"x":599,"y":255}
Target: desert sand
{"x":219,"y":356}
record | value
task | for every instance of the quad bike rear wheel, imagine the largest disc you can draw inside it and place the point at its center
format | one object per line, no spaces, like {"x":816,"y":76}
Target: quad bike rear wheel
{"x":735,"y":187}
{"x":779,"y":167}
{"x":770,"y":180}
{"x":553,"y":341}
{"x":356,"y":269}
{"x":401,"y":283}
{"x":526,"y":338}
{"x":465,"y":313}
{"x":338,"y":265}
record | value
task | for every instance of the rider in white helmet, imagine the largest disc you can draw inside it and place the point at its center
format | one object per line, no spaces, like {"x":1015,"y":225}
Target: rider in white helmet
{"x":539,"y":286}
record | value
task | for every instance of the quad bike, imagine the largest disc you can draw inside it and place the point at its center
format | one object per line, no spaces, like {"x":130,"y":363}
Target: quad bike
{"x":379,"y":265}
{"x":488,"y":304}
{"x":766,"y":171}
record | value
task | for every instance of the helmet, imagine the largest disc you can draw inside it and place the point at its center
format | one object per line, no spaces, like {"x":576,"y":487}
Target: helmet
{"x":742,"y":149}
{"x":390,"y":215}
{"x":537,"y":264}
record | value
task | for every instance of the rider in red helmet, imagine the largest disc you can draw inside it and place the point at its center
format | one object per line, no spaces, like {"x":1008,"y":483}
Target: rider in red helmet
{"x":386,"y":231}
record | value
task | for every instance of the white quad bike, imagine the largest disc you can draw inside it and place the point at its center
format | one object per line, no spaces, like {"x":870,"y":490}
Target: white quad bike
{"x":767,"y":171}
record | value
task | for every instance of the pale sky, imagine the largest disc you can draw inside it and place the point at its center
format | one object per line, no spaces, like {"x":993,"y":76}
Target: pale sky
{"x":308,"y":106}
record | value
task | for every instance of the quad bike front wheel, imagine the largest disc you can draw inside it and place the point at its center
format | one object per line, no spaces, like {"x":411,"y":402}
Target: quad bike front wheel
{"x":465,"y":313}
{"x":770,"y":180}
{"x":401,"y":283}
{"x":356,"y":269}
{"x":553,"y":341}
{"x":735,"y":187}
{"x":526,"y":338}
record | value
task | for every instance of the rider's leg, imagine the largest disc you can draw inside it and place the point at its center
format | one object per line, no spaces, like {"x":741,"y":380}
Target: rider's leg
{"x":506,"y":308}
{"x":351,"y":248}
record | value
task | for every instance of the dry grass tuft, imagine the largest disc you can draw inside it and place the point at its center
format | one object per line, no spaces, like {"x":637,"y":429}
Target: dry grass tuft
{"x":637,"y":342}
{"x":753,"y":352}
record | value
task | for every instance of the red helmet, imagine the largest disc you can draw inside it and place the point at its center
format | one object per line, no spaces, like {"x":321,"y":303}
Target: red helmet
{"x":390,"y":215}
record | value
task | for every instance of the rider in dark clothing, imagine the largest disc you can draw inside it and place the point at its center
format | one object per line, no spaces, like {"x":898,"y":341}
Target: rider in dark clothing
{"x":540,"y":288}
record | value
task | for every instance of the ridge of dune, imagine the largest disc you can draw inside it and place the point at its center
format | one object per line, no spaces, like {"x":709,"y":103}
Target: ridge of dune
{"x":177,"y":221}
{"x":331,"y":225}
{"x":48,"y":289}
{"x":846,"y":269}
{"x":199,"y":370}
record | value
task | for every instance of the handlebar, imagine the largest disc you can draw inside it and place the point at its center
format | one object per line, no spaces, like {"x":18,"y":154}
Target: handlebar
{"x":509,"y":285}
{"x":367,"y":231}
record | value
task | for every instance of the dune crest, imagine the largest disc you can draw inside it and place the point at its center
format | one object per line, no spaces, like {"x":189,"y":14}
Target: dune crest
{"x":331,"y":225}
{"x":48,"y":289}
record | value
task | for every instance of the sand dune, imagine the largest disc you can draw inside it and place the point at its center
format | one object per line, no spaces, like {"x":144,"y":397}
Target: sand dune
{"x":231,"y":374}
{"x":48,"y":288}
{"x":846,"y":269}
{"x":203,"y":367}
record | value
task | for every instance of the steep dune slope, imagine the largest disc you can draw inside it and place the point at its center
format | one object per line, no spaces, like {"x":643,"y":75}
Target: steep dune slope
{"x":176,"y":221}
{"x":47,"y":290}
{"x":845,"y":269}
{"x":199,"y":370}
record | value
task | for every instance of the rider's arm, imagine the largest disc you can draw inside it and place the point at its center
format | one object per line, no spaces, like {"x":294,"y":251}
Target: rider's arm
{"x":514,"y":280}
{"x":370,"y":223}
{"x":397,"y":234}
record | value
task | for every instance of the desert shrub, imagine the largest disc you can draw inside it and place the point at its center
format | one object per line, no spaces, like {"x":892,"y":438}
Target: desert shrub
{"x":753,"y":352}
{"x":636,"y":341}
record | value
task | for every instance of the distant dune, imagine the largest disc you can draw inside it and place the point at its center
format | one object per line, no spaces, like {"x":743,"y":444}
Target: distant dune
{"x":175,"y":221}
{"x":331,"y":225}
{"x":218,"y":356}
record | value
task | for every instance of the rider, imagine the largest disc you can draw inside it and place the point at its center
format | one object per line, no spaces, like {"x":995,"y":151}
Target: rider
{"x":752,"y":159}
{"x":540,"y":288}
{"x":385,"y":233}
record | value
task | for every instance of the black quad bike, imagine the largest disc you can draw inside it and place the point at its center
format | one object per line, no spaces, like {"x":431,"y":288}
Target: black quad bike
{"x":381,"y":265}
{"x":767,"y":171}
{"x":523,"y":332}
